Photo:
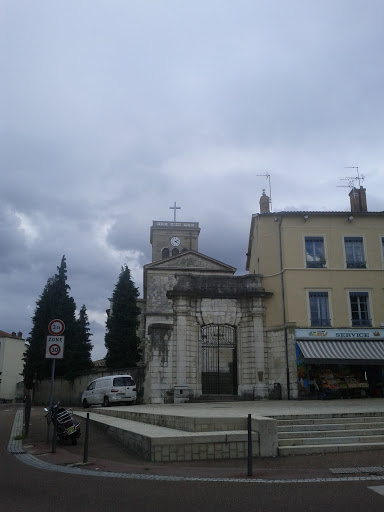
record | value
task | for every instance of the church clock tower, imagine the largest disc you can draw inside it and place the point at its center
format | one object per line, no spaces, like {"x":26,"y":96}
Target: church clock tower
{"x":172,"y":238}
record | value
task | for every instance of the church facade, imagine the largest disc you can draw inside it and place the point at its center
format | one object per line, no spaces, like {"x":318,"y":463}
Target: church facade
{"x":202,"y":326}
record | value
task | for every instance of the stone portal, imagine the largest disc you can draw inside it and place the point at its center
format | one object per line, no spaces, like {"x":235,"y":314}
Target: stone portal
{"x":202,"y":326}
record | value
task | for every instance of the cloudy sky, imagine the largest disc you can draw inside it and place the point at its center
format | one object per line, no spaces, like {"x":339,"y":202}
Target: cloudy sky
{"x":112,"y":110}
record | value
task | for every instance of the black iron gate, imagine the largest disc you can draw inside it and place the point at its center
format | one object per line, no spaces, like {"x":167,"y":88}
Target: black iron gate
{"x":219,"y":360}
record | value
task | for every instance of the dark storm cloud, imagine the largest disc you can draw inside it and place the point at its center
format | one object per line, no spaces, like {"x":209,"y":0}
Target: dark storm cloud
{"x":113,"y":111}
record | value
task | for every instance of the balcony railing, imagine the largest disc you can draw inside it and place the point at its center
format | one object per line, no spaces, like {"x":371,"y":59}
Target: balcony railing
{"x":361,"y":322}
{"x":356,"y":264}
{"x":325,"y":322}
{"x":316,"y":264}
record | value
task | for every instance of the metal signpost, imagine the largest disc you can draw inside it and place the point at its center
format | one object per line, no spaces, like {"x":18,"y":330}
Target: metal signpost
{"x":54,"y":349}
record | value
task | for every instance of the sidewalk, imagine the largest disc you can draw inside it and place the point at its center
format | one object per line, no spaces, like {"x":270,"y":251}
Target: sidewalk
{"x":105,"y":454}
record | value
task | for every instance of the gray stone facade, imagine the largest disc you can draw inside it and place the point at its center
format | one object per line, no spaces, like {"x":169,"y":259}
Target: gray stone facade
{"x":203,"y":326}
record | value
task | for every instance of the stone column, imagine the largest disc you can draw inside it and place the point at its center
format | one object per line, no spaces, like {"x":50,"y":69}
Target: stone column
{"x":260,"y":388}
{"x":158,"y":383}
{"x":182,"y":312}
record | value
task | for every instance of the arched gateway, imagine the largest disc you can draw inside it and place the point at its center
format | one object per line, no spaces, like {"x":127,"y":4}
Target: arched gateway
{"x":218,"y":360}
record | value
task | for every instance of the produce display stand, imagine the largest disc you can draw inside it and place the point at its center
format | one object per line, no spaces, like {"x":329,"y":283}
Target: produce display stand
{"x":338,"y":384}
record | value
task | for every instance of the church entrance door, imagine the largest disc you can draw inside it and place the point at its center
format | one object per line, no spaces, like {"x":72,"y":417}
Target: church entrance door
{"x":219,"y":360}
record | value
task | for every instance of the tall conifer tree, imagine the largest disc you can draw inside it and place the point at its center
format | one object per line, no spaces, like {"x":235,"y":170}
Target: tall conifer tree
{"x":121,"y":340}
{"x":55,"y":302}
{"x":79,"y":357}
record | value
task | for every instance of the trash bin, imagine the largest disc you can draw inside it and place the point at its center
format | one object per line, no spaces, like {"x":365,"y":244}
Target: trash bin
{"x":277,"y":391}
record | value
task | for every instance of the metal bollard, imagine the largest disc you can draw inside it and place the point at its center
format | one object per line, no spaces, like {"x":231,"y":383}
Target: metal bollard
{"x":85,"y":457}
{"x":27,"y":413}
{"x":250,"y":471}
{"x":54,"y":433}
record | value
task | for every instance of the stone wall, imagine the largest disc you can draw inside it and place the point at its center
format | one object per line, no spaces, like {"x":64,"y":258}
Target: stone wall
{"x":157,"y":284}
{"x":69,"y":392}
{"x":276,"y":361}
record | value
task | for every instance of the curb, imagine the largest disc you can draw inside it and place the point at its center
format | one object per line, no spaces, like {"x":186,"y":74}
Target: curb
{"x":15,"y":448}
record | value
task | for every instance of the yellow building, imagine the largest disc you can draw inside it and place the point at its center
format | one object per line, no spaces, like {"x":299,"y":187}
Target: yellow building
{"x":325,"y":320}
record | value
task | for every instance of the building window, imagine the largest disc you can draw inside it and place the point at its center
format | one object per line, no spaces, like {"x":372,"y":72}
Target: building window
{"x":354,"y":252}
{"x":318,"y":307}
{"x":165,"y":253}
{"x":175,"y":252}
{"x":359,"y":309}
{"x":382,"y":247}
{"x":314,"y":252}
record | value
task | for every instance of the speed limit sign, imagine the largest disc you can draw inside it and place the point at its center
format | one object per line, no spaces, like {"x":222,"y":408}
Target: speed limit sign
{"x":55,"y":347}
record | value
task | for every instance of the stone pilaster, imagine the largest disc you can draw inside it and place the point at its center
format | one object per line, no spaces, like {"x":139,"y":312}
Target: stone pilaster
{"x":159,"y":364}
{"x":182,"y":313}
{"x":261,"y":389}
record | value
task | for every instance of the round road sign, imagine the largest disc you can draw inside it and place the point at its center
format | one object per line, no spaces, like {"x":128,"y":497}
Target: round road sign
{"x":54,"y":350}
{"x":56,"y":327}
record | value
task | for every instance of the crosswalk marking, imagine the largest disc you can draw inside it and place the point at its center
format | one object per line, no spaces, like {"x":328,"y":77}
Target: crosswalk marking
{"x":374,"y":469}
{"x":378,"y":488}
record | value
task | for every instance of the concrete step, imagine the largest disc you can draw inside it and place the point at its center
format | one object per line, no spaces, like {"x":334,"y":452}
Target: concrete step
{"x":304,"y":427}
{"x":328,"y":448}
{"x":334,"y":440}
{"x":184,"y":423}
{"x":331,"y":433}
{"x":163,"y":444}
{"x":216,"y":398}
{"x":314,"y":420}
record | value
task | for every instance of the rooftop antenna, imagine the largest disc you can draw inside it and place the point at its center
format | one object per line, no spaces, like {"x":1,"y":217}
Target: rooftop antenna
{"x":351,"y":182}
{"x":268,"y":176}
{"x":352,"y":179}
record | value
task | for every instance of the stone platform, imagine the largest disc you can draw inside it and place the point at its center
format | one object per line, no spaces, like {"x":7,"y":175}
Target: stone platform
{"x":218,"y":430}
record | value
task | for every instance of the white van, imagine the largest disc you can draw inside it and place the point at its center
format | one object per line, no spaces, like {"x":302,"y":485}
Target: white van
{"x":110,"y":390}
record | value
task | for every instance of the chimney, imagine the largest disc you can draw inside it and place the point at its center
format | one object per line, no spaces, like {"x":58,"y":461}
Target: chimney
{"x":264,"y":203}
{"x":358,"y":200}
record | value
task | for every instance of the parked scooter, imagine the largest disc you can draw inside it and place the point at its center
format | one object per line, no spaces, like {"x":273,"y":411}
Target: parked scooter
{"x":66,"y":427}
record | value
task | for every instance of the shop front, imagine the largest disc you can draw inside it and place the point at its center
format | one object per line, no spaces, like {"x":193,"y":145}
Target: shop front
{"x":340,"y":363}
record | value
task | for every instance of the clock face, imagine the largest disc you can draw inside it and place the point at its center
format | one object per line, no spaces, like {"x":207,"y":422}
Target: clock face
{"x":175,"y":241}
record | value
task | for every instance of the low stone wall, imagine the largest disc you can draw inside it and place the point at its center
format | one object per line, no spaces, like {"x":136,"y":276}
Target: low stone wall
{"x":268,"y":436}
{"x":69,"y":392}
{"x":144,"y":441}
{"x":230,"y":446}
{"x":186,"y":438}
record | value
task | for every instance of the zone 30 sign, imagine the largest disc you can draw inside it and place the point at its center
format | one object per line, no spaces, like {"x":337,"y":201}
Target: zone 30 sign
{"x":55,"y":347}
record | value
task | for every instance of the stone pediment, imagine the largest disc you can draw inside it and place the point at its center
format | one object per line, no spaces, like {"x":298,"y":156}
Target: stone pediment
{"x":191,"y":260}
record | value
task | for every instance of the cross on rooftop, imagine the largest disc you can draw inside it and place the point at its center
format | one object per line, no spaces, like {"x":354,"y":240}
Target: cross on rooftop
{"x":174,"y":208}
